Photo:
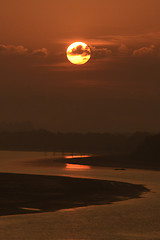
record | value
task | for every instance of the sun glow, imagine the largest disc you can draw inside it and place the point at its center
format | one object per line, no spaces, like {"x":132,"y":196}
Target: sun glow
{"x":78,"y":53}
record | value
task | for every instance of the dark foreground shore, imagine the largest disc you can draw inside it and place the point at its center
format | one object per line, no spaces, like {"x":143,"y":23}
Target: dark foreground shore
{"x":23,"y":193}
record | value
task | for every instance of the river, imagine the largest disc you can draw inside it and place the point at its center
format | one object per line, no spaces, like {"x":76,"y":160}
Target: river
{"x":137,"y":219}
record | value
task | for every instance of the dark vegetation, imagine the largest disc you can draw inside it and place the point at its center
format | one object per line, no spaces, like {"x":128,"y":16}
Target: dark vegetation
{"x":22,"y":193}
{"x":42,"y":140}
{"x":149,"y":149}
{"x":138,"y":150}
{"x":148,"y":153}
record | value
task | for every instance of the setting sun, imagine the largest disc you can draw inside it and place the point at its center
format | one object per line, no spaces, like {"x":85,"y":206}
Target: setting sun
{"x":78,"y":53}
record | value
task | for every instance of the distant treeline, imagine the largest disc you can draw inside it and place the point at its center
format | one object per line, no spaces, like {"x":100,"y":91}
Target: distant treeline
{"x":149,"y":149}
{"x":43,"y":140}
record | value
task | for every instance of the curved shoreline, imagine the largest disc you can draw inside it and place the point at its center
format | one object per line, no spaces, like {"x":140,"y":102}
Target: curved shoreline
{"x":26,"y":193}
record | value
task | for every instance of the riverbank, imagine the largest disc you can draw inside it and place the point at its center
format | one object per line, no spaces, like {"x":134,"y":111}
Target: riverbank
{"x":121,"y":161}
{"x":24,"y":193}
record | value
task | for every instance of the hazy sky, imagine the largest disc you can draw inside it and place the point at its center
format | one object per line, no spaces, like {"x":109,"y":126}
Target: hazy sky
{"x":117,"y":90}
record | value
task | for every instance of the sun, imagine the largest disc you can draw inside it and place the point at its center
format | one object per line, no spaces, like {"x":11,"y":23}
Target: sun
{"x":78,"y":53}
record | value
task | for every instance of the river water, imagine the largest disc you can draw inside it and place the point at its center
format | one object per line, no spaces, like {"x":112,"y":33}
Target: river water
{"x":137,"y":219}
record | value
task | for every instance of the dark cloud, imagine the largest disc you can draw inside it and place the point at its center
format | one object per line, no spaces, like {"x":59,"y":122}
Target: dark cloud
{"x":146,"y":45}
{"x":80,"y":50}
{"x":123,"y":49}
{"x":101,"y":53}
{"x":21,"y":50}
{"x":145,"y":51}
{"x":11,"y":49}
{"x":40,"y":52}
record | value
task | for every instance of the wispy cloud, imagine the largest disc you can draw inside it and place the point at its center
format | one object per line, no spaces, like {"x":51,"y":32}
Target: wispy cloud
{"x":100,"y":53}
{"x":40,"y":52}
{"x":11,"y":49}
{"x":145,"y":51}
{"x":21,"y":50}
{"x":146,"y":44}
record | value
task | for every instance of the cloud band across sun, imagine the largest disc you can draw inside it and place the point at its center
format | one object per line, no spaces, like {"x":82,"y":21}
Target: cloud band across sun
{"x":78,"y":53}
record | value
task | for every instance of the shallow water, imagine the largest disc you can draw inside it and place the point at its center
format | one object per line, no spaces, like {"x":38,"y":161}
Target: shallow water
{"x":137,"y":219}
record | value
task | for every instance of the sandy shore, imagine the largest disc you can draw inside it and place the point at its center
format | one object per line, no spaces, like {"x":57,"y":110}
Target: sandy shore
{"x":24,"y":193}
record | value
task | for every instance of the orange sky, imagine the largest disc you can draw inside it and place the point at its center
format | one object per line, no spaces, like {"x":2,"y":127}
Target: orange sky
{"x":117,"y":90}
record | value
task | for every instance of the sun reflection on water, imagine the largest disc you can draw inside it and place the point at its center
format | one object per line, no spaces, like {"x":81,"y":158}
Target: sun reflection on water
{"x":79,"y":167}
{"x":77,"y":156}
